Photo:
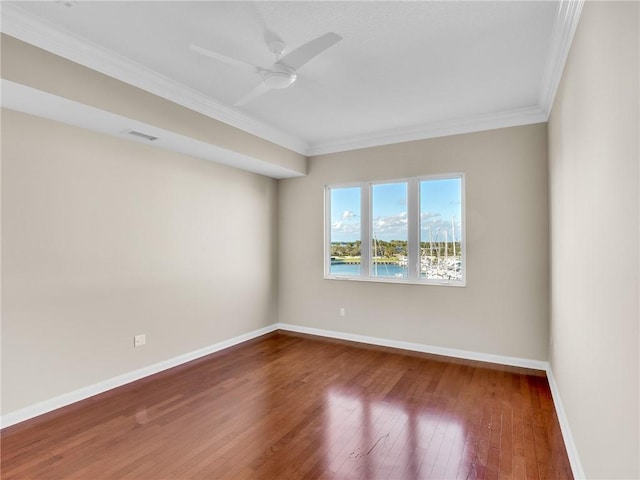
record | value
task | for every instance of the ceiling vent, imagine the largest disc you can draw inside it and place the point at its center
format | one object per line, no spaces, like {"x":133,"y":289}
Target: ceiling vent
{"x":146,"y":136}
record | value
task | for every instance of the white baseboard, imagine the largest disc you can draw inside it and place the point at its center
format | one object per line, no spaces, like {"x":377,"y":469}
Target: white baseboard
{"x":572,"y":450}
{"x":419,"y":347}
{"x":83,"y":393}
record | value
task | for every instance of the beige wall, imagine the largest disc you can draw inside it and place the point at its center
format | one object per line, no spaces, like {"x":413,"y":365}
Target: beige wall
{"x":503,"y":310}
{"x":31,"y":66}
{"x":104,"y":239}
{"x":594,"y":157}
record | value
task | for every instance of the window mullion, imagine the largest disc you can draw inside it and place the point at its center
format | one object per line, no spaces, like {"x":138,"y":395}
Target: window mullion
{"x":327,"y":231}
{"x":413,"y":224}
{"x":365,"y":229}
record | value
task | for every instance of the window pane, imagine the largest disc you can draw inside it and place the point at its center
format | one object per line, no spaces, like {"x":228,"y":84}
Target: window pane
{"x":390,"y":230}
{"x":345,"y":231}
{"x":441,"y":229}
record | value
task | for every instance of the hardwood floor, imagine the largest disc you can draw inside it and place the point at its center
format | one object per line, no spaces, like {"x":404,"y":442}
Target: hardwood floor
{"x":296,"y":407}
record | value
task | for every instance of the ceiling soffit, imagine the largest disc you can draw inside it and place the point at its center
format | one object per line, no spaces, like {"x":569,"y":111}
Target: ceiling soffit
{"x":25,"y":27}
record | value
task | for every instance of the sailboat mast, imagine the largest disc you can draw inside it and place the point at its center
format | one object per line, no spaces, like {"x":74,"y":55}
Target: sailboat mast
{"x":453,"y":236}
{"x":446,"y":244}
{"x":430,"y":245}
{"x":375,"y":252}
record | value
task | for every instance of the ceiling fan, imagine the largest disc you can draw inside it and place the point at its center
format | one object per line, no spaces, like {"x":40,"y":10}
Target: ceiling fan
{"x":282,"y":73}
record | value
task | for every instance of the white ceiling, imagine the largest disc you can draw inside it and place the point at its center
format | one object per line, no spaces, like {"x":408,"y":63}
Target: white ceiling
{"x":404,"y":70}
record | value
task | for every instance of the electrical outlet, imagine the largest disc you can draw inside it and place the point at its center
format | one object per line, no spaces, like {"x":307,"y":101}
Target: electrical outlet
{"x":342,"y":312}
{"x":139,"y":340}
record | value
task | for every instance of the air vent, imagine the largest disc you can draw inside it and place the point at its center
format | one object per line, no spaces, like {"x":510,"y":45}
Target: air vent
{"x":146,"y":136}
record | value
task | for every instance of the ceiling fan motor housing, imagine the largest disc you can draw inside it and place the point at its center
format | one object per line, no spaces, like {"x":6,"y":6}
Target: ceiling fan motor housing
{"x":280,"y":77}
{"x":282,"y":73}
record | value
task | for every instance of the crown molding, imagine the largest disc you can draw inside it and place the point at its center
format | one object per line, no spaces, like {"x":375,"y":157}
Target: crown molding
{"x":41,"y":104}
{"x":23,"y":26}
{"x":477,"y":123}
{"x":566,"y":22}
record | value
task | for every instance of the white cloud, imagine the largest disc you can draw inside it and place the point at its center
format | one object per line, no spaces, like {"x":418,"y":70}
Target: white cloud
{"x":394,"y":227}
{"x":348,"y":214}
{"x":438,"y":225}
{"x":428,"y":216}
{"x":391,"y":225}
{"x":338,"y":228}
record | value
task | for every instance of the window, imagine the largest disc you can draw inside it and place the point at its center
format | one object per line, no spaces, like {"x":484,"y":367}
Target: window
{"x":345,"y":232}
{"x":390,"y":229}
{"x":401,"y":231}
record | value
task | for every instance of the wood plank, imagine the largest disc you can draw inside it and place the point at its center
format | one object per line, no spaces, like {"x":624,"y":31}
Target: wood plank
{"x":295,"y":406}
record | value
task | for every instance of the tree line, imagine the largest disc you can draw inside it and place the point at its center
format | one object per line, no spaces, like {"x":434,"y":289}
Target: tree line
{"x":392,"y":248}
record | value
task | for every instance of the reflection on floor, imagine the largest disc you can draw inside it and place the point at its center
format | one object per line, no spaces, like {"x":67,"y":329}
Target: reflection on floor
{"x":388,"y":441}
{"x":294,"y":407}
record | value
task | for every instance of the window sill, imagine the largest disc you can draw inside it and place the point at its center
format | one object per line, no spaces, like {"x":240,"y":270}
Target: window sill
{"x":401,"y":281}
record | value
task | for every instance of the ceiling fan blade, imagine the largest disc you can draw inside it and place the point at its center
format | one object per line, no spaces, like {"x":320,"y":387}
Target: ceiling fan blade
{"x":224,"y":59}
{"x":253,"y":94}
{"x":301,"y":55}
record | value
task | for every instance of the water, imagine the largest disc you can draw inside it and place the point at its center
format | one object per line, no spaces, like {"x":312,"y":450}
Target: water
{"x":445,"y":271}
{"x":383,"y":270}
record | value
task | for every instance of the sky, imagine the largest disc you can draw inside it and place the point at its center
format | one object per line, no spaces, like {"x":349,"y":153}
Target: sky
{"x":439,"y":203}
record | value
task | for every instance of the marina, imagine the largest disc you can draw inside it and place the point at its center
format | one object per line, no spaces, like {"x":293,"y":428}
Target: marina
{"x":440,"y":256}
{"x":431,"y":267}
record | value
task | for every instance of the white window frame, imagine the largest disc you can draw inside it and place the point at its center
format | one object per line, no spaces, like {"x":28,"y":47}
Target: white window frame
{"x":413,"y":234}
